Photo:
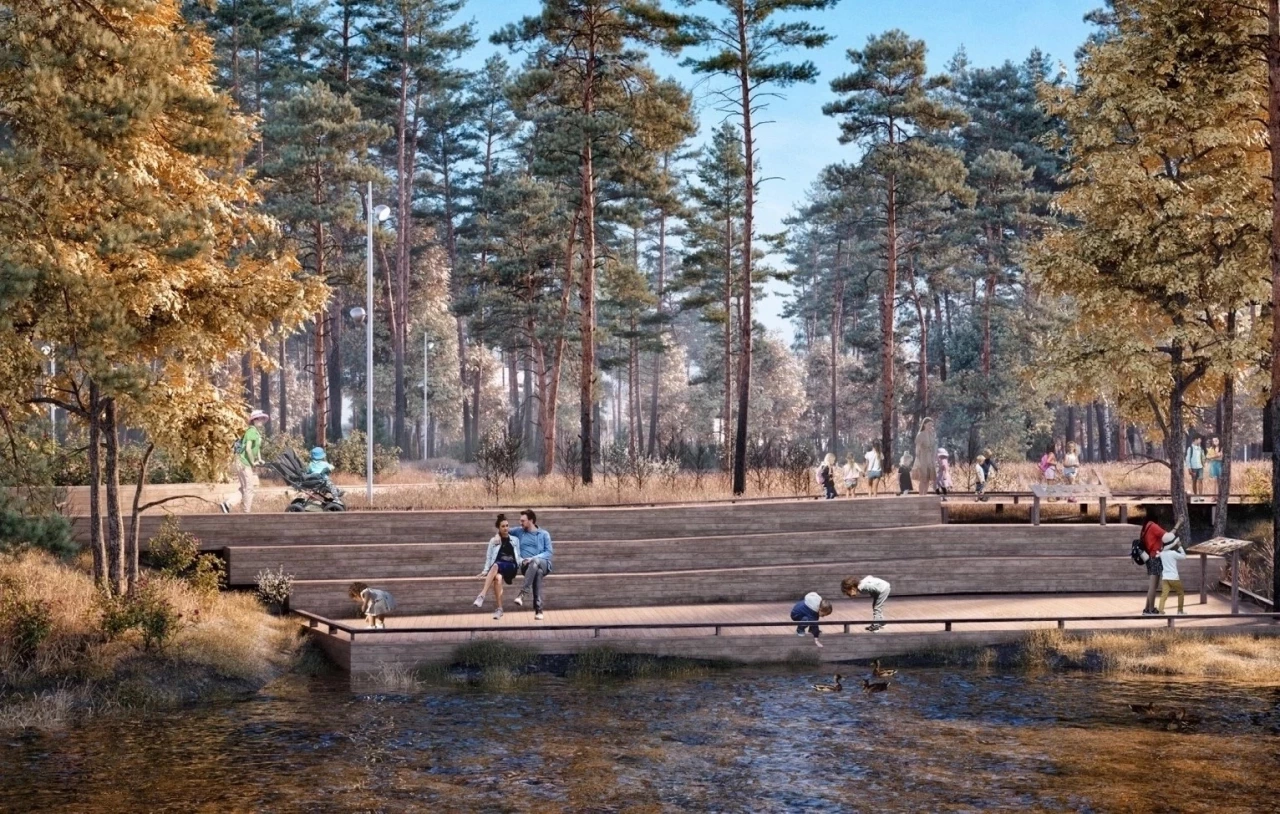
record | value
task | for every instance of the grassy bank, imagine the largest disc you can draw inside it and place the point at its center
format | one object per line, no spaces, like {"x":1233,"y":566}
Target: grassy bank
{"x":66,"y":654}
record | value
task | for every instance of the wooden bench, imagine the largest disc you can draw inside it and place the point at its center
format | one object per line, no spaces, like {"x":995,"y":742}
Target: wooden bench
{"x":1072,"y":493}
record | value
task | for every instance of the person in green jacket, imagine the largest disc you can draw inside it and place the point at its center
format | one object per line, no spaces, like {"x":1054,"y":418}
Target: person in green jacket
{"x":247,"y":457}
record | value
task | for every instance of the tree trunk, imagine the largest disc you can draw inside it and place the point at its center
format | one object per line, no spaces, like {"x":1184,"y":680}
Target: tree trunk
{"x":1071,"y":424}
{"x":549,"y":386}
{"x":1226,"y":435}
{"x":1088,"y":433}
{"x":587,"y":378}
{"x":1103,"y":432}
{"x":115,"y":523}
{"x":887,"y":301}
{"x":97,"y":544}
{"x":727,"y":411}
{"x":135,"y":530}
{"x":837,"y":334}
{"x":661,"y":292}
{"x":748,"y":230}
{"x":283,"y":426}
{"x":246,"y":374}
{"x":1273,"y":134}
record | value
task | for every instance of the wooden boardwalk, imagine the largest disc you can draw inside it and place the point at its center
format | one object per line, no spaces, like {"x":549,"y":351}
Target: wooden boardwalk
{"x":398,"y":648}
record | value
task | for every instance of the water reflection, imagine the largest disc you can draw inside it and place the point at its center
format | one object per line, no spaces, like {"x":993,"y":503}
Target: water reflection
{"x":759,"y":741}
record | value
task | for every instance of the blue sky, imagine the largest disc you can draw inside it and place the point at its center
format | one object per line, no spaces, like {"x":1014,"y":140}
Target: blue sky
{"x":800,"y":141}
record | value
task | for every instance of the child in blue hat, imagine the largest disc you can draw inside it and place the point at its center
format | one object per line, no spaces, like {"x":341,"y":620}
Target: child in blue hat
{"x":319,"y":464}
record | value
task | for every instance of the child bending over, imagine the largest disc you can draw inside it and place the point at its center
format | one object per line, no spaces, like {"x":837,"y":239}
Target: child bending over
{"x":874,"y":587}
{"x":810,"y":609}
{"x":375,"y":603}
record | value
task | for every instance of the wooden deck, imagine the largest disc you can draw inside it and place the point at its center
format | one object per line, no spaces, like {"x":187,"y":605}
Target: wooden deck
{"x":367,"y":652}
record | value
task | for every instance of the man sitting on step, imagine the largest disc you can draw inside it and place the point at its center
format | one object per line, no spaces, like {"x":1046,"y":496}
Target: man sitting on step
{"x":535,"y":558}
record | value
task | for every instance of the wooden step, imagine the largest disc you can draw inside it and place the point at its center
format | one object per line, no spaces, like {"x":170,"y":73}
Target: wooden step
{"x":217,"y":531}
{"x":959,"y":575}
{"x":384,"y":561}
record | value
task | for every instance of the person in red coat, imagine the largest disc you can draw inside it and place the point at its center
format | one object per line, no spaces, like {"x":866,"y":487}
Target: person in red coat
{"x":1154,"y":539}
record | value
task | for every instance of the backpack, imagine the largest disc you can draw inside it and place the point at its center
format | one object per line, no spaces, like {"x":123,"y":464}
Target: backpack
{"x":1136,"y":551}
{"x":238,"y":447}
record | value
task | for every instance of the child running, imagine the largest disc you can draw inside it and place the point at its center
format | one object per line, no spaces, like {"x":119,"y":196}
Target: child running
{"x":810,"y":609}
{"x":944,"y":473}
{"x":1169,"y":576}
{"x":375,"y":603}
{"x":874,"y":587}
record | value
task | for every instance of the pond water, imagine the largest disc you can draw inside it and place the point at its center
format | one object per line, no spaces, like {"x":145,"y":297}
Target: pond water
{"x":758,"y":741}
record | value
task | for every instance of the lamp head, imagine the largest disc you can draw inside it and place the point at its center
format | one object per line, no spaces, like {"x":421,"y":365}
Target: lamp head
{"x":357,"y":314}
{"x":381,"y":213}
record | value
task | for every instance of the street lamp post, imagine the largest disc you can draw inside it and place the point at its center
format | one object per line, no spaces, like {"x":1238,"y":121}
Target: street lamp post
{"x":380,"y":214}
{"x":426,"y":361}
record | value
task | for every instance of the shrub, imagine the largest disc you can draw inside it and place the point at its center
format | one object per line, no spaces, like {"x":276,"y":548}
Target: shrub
{"x":208,"y":576}
{"x":1257,"y":482}
{"x":25,"y":623}
{"x":274,"y":587}
{"x":176,"y":553}
{"x":349,"y":455}
{"x":569,"y":462}
{"x":19,"y":528}
{"x":498,"y":459}
{"x":173,"y":550}
{"x":146,"y":611}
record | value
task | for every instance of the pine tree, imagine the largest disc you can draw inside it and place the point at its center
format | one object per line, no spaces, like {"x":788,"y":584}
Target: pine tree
{"x":322,"y":148}
{"x":889,"y":105}
{"x":745,"y":46}
{"x":584,"y":64}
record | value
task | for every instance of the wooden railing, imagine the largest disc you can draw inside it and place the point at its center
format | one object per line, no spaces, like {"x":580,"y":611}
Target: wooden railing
{"x":333,"y":627}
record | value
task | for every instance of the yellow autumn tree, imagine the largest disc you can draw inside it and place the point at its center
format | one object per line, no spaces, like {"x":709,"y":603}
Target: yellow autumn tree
{"x":132,"y":249}
{"x":1165,"y":211}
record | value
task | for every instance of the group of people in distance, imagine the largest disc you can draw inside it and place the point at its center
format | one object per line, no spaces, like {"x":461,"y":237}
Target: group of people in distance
{"x":1199,"y":458}
{"x":931,"y":469}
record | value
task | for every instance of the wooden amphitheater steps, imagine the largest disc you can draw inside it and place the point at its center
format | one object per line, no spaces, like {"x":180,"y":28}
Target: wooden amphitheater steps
{"x":374,"y":653}
{"x":391,"y":561}
{"x":218,"y":531}
{"x":772,"y":583}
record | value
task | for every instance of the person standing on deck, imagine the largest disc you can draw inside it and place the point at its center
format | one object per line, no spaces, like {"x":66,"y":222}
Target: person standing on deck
{"x":1153,"y":539}
{"x":1195,"y":463}
{"x":535,"y":559}
{"x":248,"y":454}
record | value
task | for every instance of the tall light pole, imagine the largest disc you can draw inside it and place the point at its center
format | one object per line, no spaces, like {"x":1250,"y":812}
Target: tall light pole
{"x":380,"y":214}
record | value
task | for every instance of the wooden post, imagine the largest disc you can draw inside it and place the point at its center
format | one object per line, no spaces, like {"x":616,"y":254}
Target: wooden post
{"x":946,"y":516}
{"x":1035,"y":510}
{"x":1235,"y":582}
{"x":1204,"y":576}
{"x":1124,"y":512}
{"x":1102,"y":510}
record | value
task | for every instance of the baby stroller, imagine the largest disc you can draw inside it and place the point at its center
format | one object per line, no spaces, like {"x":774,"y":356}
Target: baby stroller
{"x":319,"y":494}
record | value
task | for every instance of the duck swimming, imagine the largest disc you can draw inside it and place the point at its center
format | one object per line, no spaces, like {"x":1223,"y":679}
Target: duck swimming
{"x":1143,"y":709}
{"x":874,"y":686}
{"x":836,"y":687}
{"x":879,"y":672}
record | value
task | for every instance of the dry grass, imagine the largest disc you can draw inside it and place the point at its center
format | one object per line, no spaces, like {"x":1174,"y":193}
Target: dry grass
{"x":1245,"y":658}
{"x":225,"y":643}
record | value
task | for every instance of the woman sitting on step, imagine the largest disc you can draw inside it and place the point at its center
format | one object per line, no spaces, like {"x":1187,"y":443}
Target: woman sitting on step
{"x":500,"y":564}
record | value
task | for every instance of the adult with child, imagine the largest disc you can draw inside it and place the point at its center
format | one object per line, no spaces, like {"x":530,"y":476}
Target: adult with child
{"x":501,"y":564}
{"x":535,"y":559}
{"x":926,"y":472}
{"x":1153,"y":539}
{"x":248,"y":454}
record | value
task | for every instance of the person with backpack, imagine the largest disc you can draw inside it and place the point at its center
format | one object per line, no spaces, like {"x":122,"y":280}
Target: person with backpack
{"x":248,"y":454}
{"x":1145,"y":551}
{"x":827,"y":475}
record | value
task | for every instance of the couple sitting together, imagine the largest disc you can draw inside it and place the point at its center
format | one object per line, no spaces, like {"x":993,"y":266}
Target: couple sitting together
{"x":527,"y":551}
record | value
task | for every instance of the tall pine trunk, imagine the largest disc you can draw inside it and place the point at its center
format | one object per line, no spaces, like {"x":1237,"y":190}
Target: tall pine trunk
{"x":745,"y":57}
{"x":1226,"y":435}
{"x":333,"y":367}
{"x":586,"y":381}
{"x":1273,"y":134}
{"x":319,"y":352}
{"x":115,"y":523}
{"x":888,"y":300}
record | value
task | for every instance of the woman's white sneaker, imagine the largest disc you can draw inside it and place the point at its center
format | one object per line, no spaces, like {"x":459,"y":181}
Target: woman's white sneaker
{"x":497,"y":614}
